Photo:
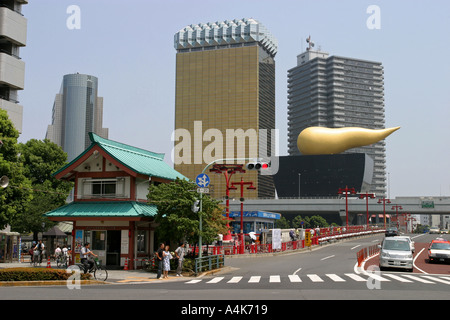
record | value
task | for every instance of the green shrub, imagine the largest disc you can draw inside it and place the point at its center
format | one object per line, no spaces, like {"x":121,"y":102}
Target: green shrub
{"x":36,"y":274}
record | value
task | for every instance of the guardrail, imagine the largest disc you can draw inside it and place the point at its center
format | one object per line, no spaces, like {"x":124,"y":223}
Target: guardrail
{"x":209,"y":262}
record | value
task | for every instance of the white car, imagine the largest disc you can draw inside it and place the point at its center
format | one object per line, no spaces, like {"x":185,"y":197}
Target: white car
{"x":411,"y":243}
{"x":439,"y":250}
{"x":396,"y":253}
{"x":434,"y":230}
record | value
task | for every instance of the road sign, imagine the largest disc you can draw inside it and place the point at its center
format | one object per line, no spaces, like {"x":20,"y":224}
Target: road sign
{"x":307,"y":238}
{"x":202,"y":180}
{"x":203,"y":190}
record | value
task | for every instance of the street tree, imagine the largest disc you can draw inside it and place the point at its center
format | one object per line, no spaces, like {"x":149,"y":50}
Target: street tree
{"x":40,"y":159}
{"x":177,"y":221}
{"x":14,"y":198}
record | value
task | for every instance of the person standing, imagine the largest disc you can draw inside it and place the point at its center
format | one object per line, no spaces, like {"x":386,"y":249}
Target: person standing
{"x":166,"y":262}
{"x":159,"y":260}
{"x":179,"y":253}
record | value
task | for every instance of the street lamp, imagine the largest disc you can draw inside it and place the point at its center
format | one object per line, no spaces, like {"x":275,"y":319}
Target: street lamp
{"x":250,"y":187}
{"x":384,"y":200}
{"x":367,"y":196}
{"x":346,"y":190}
{"x":397,"y":207}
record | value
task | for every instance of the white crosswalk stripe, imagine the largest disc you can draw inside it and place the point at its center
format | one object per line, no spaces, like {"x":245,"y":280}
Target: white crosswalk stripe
{"x":437,"y":279}
{"x":355,"y":277}
{"x":398,"y":278}
{"x":403,"y":278}
{"x":235,"y":280}
{"x":254,"y":279}
{"x":417,"y":278}
{"x":194,"y":281}
{"x":216,"y":280}
{"x":294,"y":278}
{"x":314,"y":278}
{"x":274,"y":279}
{"x":335,"y":278}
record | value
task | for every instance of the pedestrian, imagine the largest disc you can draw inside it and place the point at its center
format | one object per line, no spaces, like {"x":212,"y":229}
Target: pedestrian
{"x":167,"y":256}
{"x":159,"y":260}
{"x":179,"y":253}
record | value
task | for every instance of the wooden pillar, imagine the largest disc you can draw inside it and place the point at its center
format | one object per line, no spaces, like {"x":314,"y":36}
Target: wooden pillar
{"x":74,"y":226}
{"x":131,"y":241}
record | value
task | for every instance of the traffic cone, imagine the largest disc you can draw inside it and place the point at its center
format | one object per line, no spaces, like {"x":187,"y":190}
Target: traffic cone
{"x":126,"y":264}
{"x":49,"y":266}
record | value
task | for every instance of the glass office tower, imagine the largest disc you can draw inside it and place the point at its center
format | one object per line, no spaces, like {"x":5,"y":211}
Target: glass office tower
{"x":77,"y":110}
{"x":225,"y":85}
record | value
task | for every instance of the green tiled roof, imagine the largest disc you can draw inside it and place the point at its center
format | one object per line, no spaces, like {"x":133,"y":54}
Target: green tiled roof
{"x":139,"y":160}
{"x":104,"y":209}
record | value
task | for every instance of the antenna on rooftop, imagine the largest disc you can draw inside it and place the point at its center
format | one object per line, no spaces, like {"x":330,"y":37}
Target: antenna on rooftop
{"x":311,"y":44}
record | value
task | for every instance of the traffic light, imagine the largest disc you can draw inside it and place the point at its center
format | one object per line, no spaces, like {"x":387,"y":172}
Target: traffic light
{"x":258,"y":165}
{"x":196,"y":206}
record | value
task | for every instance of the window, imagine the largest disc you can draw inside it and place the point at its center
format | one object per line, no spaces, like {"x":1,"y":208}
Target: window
{"x":103,"y":188}
{"x":141,"y":241}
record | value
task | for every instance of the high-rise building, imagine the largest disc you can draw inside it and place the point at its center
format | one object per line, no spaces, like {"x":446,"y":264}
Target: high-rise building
{"x":13,"y":35}
{"x":335,"y":92}
{"x":77,"y":110}
{"x":225,"y":90}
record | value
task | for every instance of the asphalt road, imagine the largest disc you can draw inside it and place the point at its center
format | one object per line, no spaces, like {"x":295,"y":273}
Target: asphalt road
{"x":325,"y":273}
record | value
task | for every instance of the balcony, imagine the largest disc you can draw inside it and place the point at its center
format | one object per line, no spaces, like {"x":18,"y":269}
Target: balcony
{"x":12,"y":71}
{"x":13,"y":26}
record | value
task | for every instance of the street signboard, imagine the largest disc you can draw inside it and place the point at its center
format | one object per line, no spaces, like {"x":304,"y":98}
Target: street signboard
{"x":276,"y":239}
{"x":307,"y":238}
{"x":202,"y":180}
{"x":203,"y":190}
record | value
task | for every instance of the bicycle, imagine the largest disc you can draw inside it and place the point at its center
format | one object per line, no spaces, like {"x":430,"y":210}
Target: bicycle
{"x":36,"y":259}
{"x":62,"y":261}
{"x":100,"y":272}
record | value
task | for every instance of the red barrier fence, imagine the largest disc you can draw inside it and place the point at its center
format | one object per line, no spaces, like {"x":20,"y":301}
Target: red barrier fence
{"x":365,"y":253}
{"x":320,"y":236}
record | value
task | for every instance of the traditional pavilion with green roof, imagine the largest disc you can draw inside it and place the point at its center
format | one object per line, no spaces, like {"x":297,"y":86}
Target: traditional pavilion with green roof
{"x":110,"y":208}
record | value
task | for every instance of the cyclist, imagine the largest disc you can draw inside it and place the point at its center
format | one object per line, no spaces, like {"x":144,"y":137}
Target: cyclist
{"x":84,"y":255}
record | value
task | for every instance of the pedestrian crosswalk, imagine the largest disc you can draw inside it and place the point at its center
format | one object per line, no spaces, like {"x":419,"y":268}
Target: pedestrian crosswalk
{"x":315,"y":278}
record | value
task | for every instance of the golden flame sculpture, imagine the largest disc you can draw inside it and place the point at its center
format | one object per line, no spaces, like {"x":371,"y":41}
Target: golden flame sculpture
{"x":321,"y":140}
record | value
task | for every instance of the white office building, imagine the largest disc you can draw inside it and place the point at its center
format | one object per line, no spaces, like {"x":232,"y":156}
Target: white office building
{"x":13,"y":36}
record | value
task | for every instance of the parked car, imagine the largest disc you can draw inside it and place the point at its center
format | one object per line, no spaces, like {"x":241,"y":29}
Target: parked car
{"x":396,"y":253}
{"x":439,"y":250}
{"x":444,"y":231}
{"x":391,"y":232}
{"x":411,"y":243}
{"x":434,"y":230}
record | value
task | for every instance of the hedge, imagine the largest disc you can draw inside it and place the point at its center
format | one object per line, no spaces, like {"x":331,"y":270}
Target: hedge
{"x":36,"y":274}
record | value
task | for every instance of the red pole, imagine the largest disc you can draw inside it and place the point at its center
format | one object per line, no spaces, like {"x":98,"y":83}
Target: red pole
{"x":227,"y":237}
{"x":242,"y":216}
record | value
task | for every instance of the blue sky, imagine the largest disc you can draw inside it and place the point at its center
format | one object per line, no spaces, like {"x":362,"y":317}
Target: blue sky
{"x":128,"y":45}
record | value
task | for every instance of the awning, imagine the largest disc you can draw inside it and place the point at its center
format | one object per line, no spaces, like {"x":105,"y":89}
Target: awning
{"x":54,"y":232}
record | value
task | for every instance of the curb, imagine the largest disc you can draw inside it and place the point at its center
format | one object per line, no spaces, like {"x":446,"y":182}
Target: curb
{"x":47,"y":283}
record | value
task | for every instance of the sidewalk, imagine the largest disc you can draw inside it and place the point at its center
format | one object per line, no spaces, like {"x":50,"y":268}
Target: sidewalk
{"x":114,"y":276}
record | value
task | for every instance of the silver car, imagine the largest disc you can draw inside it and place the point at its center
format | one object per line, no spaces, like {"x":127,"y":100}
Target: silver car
{"x":396,"y":253}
